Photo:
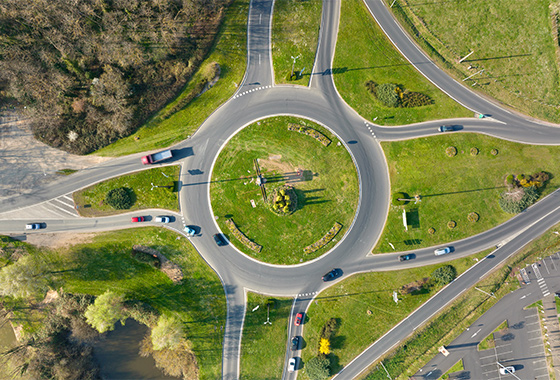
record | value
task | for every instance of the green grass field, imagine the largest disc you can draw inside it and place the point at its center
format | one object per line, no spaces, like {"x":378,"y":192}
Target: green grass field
{"x":350,"y":300}
{"x":229,"y":52}
{"x":295,"y":31}
{"x":453,"y":187}
{"x":326,"y":193}
{"x":364,"y":53}
{"x":90,"y":199}
{"x":514,"y":42}
{"x":263,"y":345}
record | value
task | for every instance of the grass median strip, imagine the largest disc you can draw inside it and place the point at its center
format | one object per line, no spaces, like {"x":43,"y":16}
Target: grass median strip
{"x":363,"y":53}
{"x":453,"y":189}
{"x":229,"y":53}
{"x":144,"y":188}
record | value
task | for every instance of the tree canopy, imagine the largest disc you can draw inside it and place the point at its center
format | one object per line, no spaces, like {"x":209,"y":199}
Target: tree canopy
{"x":107,"y":309}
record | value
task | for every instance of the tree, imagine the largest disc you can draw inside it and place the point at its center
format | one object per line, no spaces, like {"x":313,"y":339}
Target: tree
{"x":23,"y":278}
{"x":105,"y":311}
{"x":325,"y":346}
{"x":444,"y":275}
{"x":119,"y":198}
{"x":168,"y":333}
{"x":318,"y":368}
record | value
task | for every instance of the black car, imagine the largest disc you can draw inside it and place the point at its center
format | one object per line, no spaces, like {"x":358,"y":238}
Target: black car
{"x":406,"y":257}
{"x":220,"y":239}
{"x":446,"y":128}
{"x":334,"y":273}
{"x":295,"y":343}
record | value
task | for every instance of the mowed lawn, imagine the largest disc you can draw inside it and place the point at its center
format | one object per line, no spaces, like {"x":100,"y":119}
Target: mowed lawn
{"x":349,"y":301}
{"x":513,"y":41}
{"x":295,"y":31}
{"x":327,"y":193}
{"x":90,"y":201}
{"x":453,"y":187}
{"x":263,"y":345}
{"x":364,"y":53}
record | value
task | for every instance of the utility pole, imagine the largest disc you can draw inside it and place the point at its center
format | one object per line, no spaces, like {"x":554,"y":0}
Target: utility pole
{"x":293,"y":64}
{"x":267,"y":315}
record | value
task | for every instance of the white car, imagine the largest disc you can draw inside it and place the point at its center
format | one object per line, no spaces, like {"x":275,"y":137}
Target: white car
{"x":506,"y":370}
{"x":442,"y":251}
{"x":162,"y":219}
{"x":33,"y":226}
{"x":292,"y":365}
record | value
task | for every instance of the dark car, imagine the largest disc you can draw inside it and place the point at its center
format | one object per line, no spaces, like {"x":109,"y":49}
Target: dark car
{"x":299,"y":319}
{"x":295,"y":343}
{"x":334,"y":273}
{"x":446,"y":128}
{"x":137,"y":219}
{"x":220,"y":239}
{"x":406,"y":257}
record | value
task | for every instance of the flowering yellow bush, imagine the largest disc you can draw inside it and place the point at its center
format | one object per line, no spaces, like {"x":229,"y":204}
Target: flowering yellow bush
{"x":325,"y":346}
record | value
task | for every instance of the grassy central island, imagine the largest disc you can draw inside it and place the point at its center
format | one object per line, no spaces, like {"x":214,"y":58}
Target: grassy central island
{"x":294,"y":156}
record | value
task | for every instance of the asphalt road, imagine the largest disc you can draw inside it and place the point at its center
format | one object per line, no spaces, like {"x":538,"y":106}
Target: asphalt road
{"x":258,"y":98}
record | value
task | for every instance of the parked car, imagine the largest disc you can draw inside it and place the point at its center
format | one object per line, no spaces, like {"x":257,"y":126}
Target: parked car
{"x":295,"y":343}
{"x":292,"y":365}
{"x":442,"y":251}
{"x":190,"y":231}
{"x":299,"y":319}
{"x":33,"y":226}
{"x":406,"y":257}
{"x":220,"y":239}
{"x":446,"y":128}
{"x":136,"y":219}
{"x":334,"y":273}
{"x":506,"y":370}
{"x":163,"y":219}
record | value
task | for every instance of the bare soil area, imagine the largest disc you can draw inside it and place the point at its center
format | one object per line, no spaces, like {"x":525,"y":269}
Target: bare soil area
{"x":59,"y":240}
{"x":26,"y":163}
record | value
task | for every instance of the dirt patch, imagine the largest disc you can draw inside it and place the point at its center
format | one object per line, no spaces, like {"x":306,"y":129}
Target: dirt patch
{"x":61,"y":240}
{"x":26,"y":163}
{"x":274,"y":163}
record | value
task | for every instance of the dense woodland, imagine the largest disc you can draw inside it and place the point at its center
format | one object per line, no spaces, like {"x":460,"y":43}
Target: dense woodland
{"x":91,"y":71}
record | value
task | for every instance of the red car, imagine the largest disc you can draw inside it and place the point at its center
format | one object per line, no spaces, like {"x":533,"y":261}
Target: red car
{"x":299,"y":319}
{"x":137,"y":219}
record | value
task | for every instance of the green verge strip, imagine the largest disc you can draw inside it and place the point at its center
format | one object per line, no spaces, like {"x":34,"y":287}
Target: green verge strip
{"x":456,"y":367}
{"x":488,"y":342}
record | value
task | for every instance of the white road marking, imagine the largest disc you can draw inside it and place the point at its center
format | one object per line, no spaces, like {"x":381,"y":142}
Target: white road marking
{"x":476,"y":333}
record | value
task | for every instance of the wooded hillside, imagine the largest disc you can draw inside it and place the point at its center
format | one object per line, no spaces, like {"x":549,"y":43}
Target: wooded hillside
{"x":91,"y":71}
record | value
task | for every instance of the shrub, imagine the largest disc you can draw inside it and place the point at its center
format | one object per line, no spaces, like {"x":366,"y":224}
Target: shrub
{"x":317,"y":368}
{"x":120,"y":198}
{"x":444,"y":275}
{"x":283,"y":200}
{"x":473,"y":217}
{"x":474,"y":151}
{"x":241,"y":236}
{"x":371,"y":86}
{"x":329,"y":328}
{"x":431,"y":230}
{"x":541,"y":177}
{"x":451,"y":224}
{"x":324,"y":346}
{"x":451,"y":151}
{"x":400,"y":195}
{"x":324,"y":240}
{"x":415,"y":99}
{"x":514,"y":202}
{"x":509,"y":180}
{"x":387,"y":94}
{"x":494,"y":152}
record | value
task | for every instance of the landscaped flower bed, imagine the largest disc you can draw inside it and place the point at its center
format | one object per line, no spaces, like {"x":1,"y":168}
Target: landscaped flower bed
{"x":324,"y":240}
{"x":310,"y":132}
{"x":241,"y":237}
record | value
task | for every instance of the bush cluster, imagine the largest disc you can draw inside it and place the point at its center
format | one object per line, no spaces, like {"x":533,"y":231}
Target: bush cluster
{"x":329,"y":328}
{"x":324,"y":240}
{"x":513,"y":202}
{"x":522,"y":180}
{"x":371,"y":86}
{"x":120,"y":198}
{"x":283,"y":200}
{"x":392,"y":95}
{"x":474,"y":151}
{"x":415,"y":99}
{"x":317,"y":368}
{"x":310,"y":132}
{"x":494,"y":152}
{"x":451,"y":224}
{"x":387,"y":94}
{"x":397,"y":196}
{"x":431,"y":230}
{"x":451,"y":151}
{"x":444,"y":275}
{"x":473,"y":217}
{"x":241,"y":237}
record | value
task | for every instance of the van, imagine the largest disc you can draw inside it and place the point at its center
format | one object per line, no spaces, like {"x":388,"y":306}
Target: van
{"x":442,"y":251}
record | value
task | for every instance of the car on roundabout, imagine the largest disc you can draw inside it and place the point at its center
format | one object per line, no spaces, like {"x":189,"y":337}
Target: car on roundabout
{"x":442,"y":251}
{"x":407,"y":257}
{"x":292,"y":365}
{"x":446,"y":128}
{"x":299,"y":319}
{"x":163,"y":219}
{"x":33,"y":226}
{"x":189,"y":230}
{"x":138,"y":219}
{"x":295,"y":343}
{"x":334,"y":273}
{"x":220,"y":240}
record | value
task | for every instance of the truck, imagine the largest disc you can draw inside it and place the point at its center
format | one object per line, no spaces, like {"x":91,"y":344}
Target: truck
{"x":157,"y":157}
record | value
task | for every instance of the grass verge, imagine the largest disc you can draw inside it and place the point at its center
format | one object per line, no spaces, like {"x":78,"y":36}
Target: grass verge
{"x":90,"y":201}
{"x":106,"y":263}
{"x":326,"y":193}
{"x":295,"y":31}
{"x":263,"y":345}
{"x":364,"y":53}
{"x":513,"y":53}
{"x":416,"y":351}
{"x":453,"y":187}
{"x":488,"y":342}
{"x":364,"y":303}
{"x":165,"y":129}
{"x":456,"y":367}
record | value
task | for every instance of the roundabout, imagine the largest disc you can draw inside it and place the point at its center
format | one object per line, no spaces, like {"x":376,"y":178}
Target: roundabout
{"x":308,"y":185}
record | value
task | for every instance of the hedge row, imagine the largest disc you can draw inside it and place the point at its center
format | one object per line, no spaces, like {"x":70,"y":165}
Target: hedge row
{"x":310,"y":132}
{"x":242,"y":238}
{"x":324,"y":240}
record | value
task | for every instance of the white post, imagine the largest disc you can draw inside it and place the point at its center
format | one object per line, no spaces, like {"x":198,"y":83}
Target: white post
{"x":465,"y":57}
